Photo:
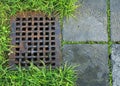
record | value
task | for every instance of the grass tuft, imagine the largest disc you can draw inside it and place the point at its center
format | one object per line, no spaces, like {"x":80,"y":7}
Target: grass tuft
{"x":34,"y":76}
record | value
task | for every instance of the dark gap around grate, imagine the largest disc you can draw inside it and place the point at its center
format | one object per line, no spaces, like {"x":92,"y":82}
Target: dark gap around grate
{"x":36,"y":38}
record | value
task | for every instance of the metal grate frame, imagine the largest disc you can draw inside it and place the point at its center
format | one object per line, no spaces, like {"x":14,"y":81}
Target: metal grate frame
{"x":36,"y":38}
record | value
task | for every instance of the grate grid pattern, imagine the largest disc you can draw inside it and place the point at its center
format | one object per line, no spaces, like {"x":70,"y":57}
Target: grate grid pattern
{"x":36,"y":38}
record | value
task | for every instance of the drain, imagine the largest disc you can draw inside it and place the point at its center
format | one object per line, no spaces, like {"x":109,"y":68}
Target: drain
{"x":35,"y":38}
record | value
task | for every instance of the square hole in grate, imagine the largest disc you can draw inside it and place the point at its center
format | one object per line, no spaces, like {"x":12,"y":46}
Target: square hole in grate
{"x":53,"y":23}
{"x":41,"y":19}
{"x":23,"y":54}
{"x":41,"y":38}
{"x":17,"y":43}
{"x":17,"y":39}
{"x":17,"y":49}
{"x":53,"y":33}
{"x":52,"y":28}
{"x":29,"y":54}
{"x":52,"y":43}
{"x":40,"y":54}
{"x":29,"y":34}
{"x":53,"y":54}
{"x":47,"y":38}
{"x":47,"y":23}
{"x":35,"y":33}
{"x":23,"y":34}
{"x":17,"y":29}
{"x":35,"y":49}
{"x":35,"y":29}
{"x":41,"y":48}
{"x":29,"y":29}
{"x":35,"y":19}
{"x":52,"y":48}
{"x":41,"y":23}
{"x":35,"y":54}
{"x":29,"y":39}
{"x":36,"y":38}
{"x":52,"y":38}
{"x":17,"y":34}
{"x":18,"y":19}
{"x":17,"y":59}
{"x":24,"y":19}
{"x":52,"y":18}
{"x":17,"y":23}
{"x":30,"y":24}
{"x":23,"y":39}
{"x":47,"y":33}
{"x":47,"y":59}
{"x":53,"y":58}
{"x":41,"y":43}
{"x":17,"y":54}
{"x":23,"y":29}
{"x":29,"y":44}
{"x":46,"y":43}
{"x":47,"y":28}
{"x":47,"y":18}
{"x":23,"y":24}
{"x":41,"y":28}
{"x":30,"y":19}
{"x":35,"y":23}
{"x":41,"y":33}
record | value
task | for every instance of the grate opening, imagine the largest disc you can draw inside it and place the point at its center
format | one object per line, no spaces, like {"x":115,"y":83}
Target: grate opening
{"x":41,"y":24}
{"x":23,"y":54}
{"x":17,"y":49}
{"x":23,"y":24}
{"x":17,"y":43}
{"x":35,"y":29}
{"x":41,"y":18}
{"x":17,"y":24}
{"x":16,"y":54}
{"x":29,"y":29}
{"x":37,"y":38}
{"x":29,"y":19}
{"x":17,"y":19}
{"x":24,"y":19}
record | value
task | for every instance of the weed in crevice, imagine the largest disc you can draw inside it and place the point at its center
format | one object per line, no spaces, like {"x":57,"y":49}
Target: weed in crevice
{"x":109,"y":41}
{"x":83,"y":42}
{"x":110,"y":70}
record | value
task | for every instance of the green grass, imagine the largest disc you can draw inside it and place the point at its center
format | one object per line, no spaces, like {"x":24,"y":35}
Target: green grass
{"x":62,"y":76}
{"x":34,"y":76}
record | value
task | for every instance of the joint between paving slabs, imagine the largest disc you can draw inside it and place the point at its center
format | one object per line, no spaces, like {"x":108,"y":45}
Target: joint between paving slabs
{"x":109,"y":42}
{"x":83,"y":42}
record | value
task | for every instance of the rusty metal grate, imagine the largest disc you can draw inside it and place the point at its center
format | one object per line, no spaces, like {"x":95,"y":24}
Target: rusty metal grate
{"x":36,"y":39}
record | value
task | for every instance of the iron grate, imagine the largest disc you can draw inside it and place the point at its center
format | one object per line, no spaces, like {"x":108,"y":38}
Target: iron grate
{"x":36,"y":39}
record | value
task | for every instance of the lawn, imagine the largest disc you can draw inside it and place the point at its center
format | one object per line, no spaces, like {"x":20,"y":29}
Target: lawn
{"x":33,"y":76}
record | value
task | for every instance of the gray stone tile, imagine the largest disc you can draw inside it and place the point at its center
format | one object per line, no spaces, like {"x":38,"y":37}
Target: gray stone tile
{"x":116,"y":64}
{"x":89,"y":24}
{"x":115,"y":20}
{"x":92,"y":61}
